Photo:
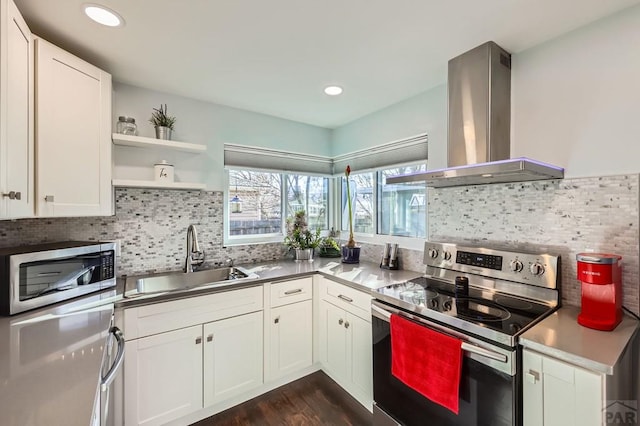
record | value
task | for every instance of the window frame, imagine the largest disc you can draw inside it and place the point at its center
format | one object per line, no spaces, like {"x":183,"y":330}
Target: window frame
{"x":412,"y":243}
{"x":334,"y":211}
{"x":275,"y":237}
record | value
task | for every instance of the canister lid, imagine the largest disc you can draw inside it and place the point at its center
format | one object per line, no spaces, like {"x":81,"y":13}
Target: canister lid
{"x":599,"y":258}
{"x":163,"y":163}
{"x":126,"y":119}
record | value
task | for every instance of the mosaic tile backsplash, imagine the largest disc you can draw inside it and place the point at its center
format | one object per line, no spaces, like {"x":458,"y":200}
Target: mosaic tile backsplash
{"x":565,"y":217}
{"x":152,"y":228}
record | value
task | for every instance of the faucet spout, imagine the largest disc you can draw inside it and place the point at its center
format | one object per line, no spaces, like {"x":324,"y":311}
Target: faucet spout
{"x":195,"y":256}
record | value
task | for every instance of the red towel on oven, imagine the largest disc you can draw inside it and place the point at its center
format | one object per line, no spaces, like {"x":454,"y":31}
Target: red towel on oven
{"x":427,"y":361}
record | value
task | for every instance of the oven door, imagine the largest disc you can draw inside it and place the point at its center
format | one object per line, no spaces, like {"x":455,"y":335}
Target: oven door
{"x":488,"y":384}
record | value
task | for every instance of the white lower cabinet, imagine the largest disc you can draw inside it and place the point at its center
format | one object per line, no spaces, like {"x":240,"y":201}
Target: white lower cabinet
{"x":345,"y":339}
{"x":290,"y":339}
{"x":288,"y":327}
{"x":232,"y":357}
{"x":163,"y":376}
{"x":189,"y":358}
{"x":556,"y":393}
{"x":189,"y":354}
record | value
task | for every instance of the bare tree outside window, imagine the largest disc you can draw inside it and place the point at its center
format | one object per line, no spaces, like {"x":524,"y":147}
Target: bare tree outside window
{"x":308,"y":193}
{"x":260,"y":196}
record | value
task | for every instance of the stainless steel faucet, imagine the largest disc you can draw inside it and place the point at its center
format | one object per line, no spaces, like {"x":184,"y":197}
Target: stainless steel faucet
{"x":195,"y":256}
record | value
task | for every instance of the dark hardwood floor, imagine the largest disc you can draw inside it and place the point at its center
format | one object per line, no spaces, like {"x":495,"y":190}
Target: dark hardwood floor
{"x":312,"y":400}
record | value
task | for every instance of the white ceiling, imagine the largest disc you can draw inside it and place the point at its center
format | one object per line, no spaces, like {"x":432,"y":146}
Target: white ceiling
{"x":275,"y":57}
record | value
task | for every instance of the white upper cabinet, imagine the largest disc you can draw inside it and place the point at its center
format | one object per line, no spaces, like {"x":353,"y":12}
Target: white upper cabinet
{"x":73,"y":135}
{"x":16,"y":114}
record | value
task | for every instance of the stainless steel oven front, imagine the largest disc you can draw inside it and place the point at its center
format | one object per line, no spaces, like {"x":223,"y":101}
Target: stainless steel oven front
{"x":488,"y":387}
{"x":35,"y":276}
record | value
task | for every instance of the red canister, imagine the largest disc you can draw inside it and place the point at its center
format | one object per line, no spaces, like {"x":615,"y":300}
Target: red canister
{"x":601,"y":277}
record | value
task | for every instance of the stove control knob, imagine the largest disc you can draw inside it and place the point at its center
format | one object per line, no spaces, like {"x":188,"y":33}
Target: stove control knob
{"x":516,"y":266}
{"x":446,"y":255}
{"x":433,"y":253}
{"x":537,"y":269}
{"x":446,"y":306}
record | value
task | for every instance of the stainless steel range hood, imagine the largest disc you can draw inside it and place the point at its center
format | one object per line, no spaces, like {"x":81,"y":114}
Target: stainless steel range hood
{"x":479,"y":85}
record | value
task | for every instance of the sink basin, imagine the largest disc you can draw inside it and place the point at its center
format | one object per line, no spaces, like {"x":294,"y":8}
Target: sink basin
{"x":179,"y":281}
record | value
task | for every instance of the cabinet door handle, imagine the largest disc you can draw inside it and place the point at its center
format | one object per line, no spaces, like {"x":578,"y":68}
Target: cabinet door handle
{"x":13,"y":195}
{"x":346,"y":324}
{"x":297,"y":290}
{"x":48,"y":198}
{"x":210,"y":338}
{"x":340,"y":321}
{"x":345,"y":298}
{"x":198,"y":340}
{"x":276,"y":320}
{"x":533,"y":376}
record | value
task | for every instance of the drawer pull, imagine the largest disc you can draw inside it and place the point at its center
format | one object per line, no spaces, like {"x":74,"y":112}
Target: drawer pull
{"x":289,"y":292}
{"x":345,"y":298}
{"x":198,"y":340}
{"x":277,"y":320}
{"x":210,"y":338}
{"x":532,"y":376}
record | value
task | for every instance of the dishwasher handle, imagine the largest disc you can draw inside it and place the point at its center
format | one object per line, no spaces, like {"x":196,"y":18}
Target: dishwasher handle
{"x":111,"y":374}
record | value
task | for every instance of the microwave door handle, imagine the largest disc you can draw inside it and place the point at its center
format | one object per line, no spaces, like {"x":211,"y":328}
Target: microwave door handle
{"x":385,"y":315}
{"x":111,"y":374}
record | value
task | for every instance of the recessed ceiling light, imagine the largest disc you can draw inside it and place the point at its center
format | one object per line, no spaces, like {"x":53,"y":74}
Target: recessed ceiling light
{"x":333,"y":90}
{"x":103,"y":15}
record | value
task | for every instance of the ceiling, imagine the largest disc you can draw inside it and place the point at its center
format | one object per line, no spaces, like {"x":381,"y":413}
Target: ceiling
{"x":275,"y":57}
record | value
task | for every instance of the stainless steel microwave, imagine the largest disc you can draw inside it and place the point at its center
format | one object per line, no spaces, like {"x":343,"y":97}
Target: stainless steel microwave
{"x":35,"y":276}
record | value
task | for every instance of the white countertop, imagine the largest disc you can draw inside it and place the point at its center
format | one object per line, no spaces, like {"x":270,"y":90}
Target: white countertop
{"x":560,"y":336}
{"x":50,"y":362}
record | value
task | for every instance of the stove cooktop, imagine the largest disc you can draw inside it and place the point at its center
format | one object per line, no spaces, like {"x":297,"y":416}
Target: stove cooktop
{"x":495,"y":316}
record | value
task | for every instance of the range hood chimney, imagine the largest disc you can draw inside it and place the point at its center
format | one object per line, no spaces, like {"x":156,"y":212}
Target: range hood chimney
{"x":479,"y":84}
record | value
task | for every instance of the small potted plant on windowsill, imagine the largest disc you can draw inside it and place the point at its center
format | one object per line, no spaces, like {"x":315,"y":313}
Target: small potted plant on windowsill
{"x":329,"y":247}
{"x":299,"y":238}
{"x":162,"y":122}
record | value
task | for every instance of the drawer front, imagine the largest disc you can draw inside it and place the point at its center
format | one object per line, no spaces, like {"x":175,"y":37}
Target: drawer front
{"x":291,"y":291}
{"x":355,"y":301}
{"x":166,"y":316}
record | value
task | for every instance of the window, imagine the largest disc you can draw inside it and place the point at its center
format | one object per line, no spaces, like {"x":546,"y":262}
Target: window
{"x":311,"y":194}
{"x":402,"y":207}
{"x":384,"y":209}
{"x":362,"y":203}
{"x":255,"y":203}
{"x":255,"y":206}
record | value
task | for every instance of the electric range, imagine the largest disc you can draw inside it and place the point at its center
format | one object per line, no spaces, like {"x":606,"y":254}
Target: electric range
{"x":486,"y":297}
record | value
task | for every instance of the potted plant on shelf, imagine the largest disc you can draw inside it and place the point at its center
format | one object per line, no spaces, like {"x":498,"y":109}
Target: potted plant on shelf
{"x":162,"y":122}
{"x":350,"y":251}
{"x":299,"y":238}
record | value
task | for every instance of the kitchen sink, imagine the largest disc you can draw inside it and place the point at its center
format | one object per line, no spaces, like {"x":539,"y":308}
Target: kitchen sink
{"x":179,"y":281}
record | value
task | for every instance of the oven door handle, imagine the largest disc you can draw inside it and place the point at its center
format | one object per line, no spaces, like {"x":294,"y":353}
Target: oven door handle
{"x":385,"y":315}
